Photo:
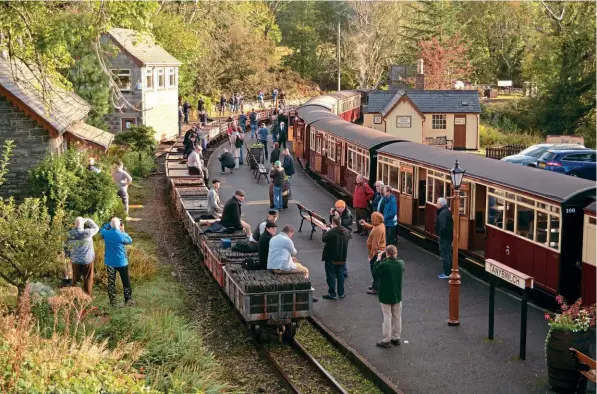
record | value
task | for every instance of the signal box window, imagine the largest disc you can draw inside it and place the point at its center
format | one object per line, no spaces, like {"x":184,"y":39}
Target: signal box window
{"x":438,"y":122}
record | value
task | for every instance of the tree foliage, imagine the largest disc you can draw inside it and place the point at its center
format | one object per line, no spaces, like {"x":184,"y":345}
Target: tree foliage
{"x":445,"y":63}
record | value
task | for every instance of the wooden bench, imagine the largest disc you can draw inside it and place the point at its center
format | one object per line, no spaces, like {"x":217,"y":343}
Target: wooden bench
{"x":586,"y":366}
{"x":262,"y":170}
{"x":439,"y":141}
{"x":312,"y":217}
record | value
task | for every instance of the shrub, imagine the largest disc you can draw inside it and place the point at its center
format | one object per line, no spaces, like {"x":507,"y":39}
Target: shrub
{"x":576,"y":317}
{"x":65,"y":182}
{"x":33,"y":363}
{"x":139,"y":164}
{"x":142,"y":266}
{"x":138,"y":138}
{"x":489,"y":136}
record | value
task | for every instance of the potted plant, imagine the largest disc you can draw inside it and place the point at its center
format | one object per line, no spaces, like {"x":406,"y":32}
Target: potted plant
{"x":573,"y":327}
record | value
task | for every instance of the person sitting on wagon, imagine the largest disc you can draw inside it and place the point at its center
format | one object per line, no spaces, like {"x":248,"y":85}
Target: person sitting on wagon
{"x":272,"y":216}
{"x":214,"y":206}
{"x":227,"y":161}
{"x":281,"y":251}
{"x":195,"y":164}
{"x":269,"y":231}
{"x":232,"y":213}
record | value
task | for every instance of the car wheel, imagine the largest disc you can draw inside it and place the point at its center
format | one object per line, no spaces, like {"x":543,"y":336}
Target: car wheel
{"x":531,"y":165}
{"x":574,"y":174}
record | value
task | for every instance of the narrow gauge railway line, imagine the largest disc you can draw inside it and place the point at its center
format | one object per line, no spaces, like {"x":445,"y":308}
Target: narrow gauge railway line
{"x":295,"y":365}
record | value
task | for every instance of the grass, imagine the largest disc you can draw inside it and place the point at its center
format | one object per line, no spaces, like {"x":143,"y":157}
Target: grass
{"x":490,"y":135}
{"x":343,"y":370}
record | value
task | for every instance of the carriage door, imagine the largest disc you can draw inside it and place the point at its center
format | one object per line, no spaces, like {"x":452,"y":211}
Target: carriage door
{"x":459,"y":131}
{"x":421,"y":196}
{"x":318,"y":151}
{"x":324,"y":155}
{"x":341,"y":164}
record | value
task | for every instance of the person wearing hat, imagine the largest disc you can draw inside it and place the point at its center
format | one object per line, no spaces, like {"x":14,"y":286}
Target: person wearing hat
{"x":272,"y":216}
{"x":227,"y":161}
{"x":277,"y":174}
{"x":232,"y":213}
{"x":341,"y":212}
{"x":269,"y":232}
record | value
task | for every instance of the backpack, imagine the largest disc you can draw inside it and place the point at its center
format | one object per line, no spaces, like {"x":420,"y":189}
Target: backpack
{"x":245,"y":247}
{"x":251,"y":264}
{"x":239,"y":142}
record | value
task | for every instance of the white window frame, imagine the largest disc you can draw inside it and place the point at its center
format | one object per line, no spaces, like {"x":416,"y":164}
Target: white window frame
{"x":312,"y":139}
{"x":360,"y":155}
{"x":439,"y":120}
{"x":117,"y":73}
{"x":149,"y":72}
{"x":161,"y":73}
{"x":377,"y":119}
{"x":171,"y":74}
{"x":538,"y":206}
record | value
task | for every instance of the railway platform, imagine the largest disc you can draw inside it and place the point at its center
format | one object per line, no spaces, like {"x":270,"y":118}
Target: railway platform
{"x":433,"y":357}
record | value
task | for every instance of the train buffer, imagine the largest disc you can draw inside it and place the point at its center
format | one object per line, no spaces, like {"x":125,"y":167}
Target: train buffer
{"x":312,"y":217}
{"x":585,"y":365}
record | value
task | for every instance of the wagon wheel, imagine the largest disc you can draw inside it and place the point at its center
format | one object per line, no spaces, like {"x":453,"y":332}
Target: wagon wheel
{"x":290,"y":331}
{"x":256,"y":331}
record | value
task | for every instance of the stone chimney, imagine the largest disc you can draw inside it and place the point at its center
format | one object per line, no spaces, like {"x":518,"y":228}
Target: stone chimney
{"x":420,"y":78}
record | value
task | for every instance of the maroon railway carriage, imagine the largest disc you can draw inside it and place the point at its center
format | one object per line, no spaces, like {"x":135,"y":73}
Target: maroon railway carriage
{"x":302,"y":123}
{"x":588,"y":255}
{"x":526,"y":218}
{"x":339,"y":151}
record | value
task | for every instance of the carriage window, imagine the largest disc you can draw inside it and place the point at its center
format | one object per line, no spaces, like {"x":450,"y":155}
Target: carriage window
{"x":318,"y":144}
{"x":366,"y":174}
{"x":525,"y":218}
{"x":406,"y":182}
{"x":525,"y":200}
{"x":542,"y":226}
{"x":393,"y":177}
{"x":554,"y":232}
{"x":495,"y":211}
{"x":439,"y":189}
{"x":332,"y":148}
{"x":312,"y":140}
{"x":350,"y":159}
{"x":430,"y":190}
{"x":509,"y":216}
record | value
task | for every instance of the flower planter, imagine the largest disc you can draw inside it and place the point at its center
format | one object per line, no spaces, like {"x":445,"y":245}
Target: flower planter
{"x":257,"y":153}
{"x":562,"y":374}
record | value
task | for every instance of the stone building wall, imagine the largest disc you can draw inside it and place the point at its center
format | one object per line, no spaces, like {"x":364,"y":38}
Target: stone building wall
{"x":32,"y":143}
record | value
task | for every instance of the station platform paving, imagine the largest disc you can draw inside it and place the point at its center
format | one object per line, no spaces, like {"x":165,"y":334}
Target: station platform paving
{"x":433,"y":357}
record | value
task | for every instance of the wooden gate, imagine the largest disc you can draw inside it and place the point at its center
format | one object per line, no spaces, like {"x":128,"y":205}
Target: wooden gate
{"x":459,"y":131}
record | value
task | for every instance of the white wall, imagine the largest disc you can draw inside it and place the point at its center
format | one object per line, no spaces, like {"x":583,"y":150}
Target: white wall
{"x":161,"y":108}
{"x":412,"y":133}
{"x":368,"y":122}
{"x":472,"y":129}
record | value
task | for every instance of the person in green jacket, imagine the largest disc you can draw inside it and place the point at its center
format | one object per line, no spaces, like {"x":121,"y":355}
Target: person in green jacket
{"x":388,"y":273}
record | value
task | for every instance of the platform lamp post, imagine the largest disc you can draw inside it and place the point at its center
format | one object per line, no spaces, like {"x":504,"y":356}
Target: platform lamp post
{"x":456,"y":174}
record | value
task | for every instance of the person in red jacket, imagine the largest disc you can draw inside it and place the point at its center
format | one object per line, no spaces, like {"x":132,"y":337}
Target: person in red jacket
{"x":363,"y":194}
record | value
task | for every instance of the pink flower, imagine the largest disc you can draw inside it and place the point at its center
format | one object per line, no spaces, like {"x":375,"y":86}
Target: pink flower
{"x":547,"y":317}
{"x":559,"y":299}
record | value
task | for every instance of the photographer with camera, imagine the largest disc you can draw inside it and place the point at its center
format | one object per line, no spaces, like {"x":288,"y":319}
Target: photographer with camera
{"x":376,"y":243}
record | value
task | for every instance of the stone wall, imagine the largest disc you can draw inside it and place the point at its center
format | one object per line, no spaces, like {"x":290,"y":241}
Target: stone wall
{"x":32,"y":143}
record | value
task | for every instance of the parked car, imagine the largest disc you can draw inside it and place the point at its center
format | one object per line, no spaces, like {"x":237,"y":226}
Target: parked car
{"x":531,"y":155}
{"x":573,"y":162}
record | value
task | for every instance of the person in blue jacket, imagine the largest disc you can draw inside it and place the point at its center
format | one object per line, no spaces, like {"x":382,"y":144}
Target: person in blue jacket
{"x":262,"y":134}
{"x":390,"y":214}
{"x":116,"y":260}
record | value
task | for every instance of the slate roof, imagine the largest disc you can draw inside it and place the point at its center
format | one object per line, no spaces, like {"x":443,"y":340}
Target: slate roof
{"x":377,"y":99}
{"x":427,"y":101}
{"x":535,"y":181}
{"x":326,"y":101}
{"x":313,"y":113}
{"x":364,"y":136}
{"x":61,"y":108}
{"x":142,"y":47}
{"x":450,"y":101}
{"x":92,"y":134}
{"x":592,"y":207}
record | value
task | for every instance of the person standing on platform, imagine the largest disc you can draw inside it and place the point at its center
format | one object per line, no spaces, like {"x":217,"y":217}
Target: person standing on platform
{"x":180,"y":119}
{"x":79,"y":249}
{"x":226,"y":161}
{"x":214,"y":206}
{"x":260,"y":97}
{"x":389,"y":273}
{"x":275,"y":129}
{"x":376,"y":242}
{"x":200,"y":105}
{"x":275,"y":154}
{"x":345,"y":216}
{"x":242,"y":122}
{"x":334,"y":256}
{"x":253,"y":121}
{"x":115,"y":259}
{"x":269,"y":232}
{"x":274,"y":97}
{"x":231,"y":104}
{"x":378,"y":196}
{"x":263,"y":132}
{"x":122,"y":179}
{"x":277,"y":175}
{"x":390,"y":215}
{"x":288,"y":164}
{"x":186,"y":108}
{"x":444,"y":229}
{"x":242,"y":146}
{"x":283,"y":135}
{"x":231,"y":216}
{"x":362,"y":196}
{"x":237,"y":143}
{"x":222,"y":105}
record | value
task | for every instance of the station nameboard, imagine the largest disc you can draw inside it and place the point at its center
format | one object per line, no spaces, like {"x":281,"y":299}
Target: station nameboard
{"x":508,"y":274}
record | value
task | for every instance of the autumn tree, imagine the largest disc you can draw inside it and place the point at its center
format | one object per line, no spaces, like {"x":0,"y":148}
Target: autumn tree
{"x":445,"y":62}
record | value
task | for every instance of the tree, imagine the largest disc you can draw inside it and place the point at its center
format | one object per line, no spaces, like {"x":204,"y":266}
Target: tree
{"x":140,"y":138}
{"x":445,"y":62}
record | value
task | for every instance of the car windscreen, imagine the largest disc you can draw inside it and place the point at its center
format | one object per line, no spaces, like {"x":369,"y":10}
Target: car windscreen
{"x":534,"y":151}
{"x":549,"y":156}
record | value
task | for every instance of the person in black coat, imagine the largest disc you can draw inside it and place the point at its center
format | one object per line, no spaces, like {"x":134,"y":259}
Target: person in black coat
{"x":288,"y":164}
{"x":334,"y":255}
{"x":268,"y":234}
{"x":227,"y":161}
{"x":444,"y":229}
{"x":232,"y":213}
{"x":200,"y":105}
{"x":274,"y":156}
